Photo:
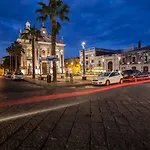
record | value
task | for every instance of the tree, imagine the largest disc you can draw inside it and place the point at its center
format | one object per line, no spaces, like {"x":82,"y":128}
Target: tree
{"x":10,"y":52}
{"x":55,"y":10}
{"x":32,"y":34}
{"x":6,"y":63}
{"x":17,"y":50}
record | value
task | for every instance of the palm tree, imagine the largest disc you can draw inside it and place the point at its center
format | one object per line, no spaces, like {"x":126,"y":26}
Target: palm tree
{"x":10,"y":52}
{"x":17,"y":50}
{"x":32,"y":34}
{"x":56,"y":9}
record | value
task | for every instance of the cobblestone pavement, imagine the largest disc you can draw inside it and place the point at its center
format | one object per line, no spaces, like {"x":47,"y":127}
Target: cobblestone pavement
{"x":117,"y":119}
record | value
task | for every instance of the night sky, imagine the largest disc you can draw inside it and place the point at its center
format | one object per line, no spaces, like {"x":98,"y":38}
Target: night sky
{"x":112,"y":24}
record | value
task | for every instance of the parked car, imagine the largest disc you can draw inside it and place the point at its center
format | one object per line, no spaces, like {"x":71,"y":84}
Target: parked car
{"x":146,"y":75}
{"x":108,"y":78}
{"x":131,"y":74}
{"x":17,"y":76}
{"x":8,"y":75}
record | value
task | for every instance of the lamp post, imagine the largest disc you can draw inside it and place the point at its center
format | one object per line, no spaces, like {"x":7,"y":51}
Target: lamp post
{"x":83,"y":54}
{"x":103,"y":64}
{"x":40,"y":64}
{"x":119,"y":58}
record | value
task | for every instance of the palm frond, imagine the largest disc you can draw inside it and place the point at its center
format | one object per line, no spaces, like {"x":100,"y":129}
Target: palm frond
{"x":39,"y":11}
{"x":42,"y":18}
{"x":65,"y":9}
{"x":41,"y":4}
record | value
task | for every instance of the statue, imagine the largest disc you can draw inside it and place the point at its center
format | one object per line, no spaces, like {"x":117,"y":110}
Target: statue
{"x":27,"y":25}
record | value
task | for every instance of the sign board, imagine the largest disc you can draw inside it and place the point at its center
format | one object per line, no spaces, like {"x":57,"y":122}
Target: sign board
{"x":52,"y":59}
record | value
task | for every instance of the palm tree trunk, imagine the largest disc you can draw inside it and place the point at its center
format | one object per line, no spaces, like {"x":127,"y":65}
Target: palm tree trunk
{"x":10,"y":69}
{"x":33,"y":58}
{"x":54,"y":48}
{"x":16,"y":66}
{"x":12,"y":62}
{"x":19,"y":62}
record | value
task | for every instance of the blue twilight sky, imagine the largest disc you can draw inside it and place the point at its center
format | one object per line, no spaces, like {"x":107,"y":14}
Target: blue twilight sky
{"x":110,"y":24}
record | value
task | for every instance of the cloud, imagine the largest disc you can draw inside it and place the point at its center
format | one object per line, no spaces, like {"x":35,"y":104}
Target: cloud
{"x":11,"y":24}
{"x":101,"y":23}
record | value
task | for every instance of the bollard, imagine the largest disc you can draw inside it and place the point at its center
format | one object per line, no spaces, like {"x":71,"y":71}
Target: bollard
{"x":71,"y":77}
{"x":48,"y":78}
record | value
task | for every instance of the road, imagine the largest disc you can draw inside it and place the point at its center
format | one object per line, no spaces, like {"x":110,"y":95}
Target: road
{"x":117,"y":118}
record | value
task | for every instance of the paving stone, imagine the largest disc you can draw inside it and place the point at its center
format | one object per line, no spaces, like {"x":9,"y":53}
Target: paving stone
{"x":82,"y":126}
{"x":96,"y":118}
{"x":97,"y":126}
{"x":85,"y":119}
{"x":54,"y":144}
{"x":64,"y":125}
{"x":98,"y":138}
{"x":59,"y":135}
{"x":110,"y":125}
{"x":36,"y":139}
{"x":77,"y":146}
{"x":79,"y":136}
{"x":98,"y":147}
{"x":121,"y":120}
{"x":10,"y":145}
{"x":27,"y":148}
{"x":133,"y":142}
{"x":107,"y":117}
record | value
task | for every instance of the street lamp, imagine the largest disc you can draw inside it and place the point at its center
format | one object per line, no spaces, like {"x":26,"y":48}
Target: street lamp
{"x":119,"y":58}
{"x":103,"y":63}
{"x":83,"y":54}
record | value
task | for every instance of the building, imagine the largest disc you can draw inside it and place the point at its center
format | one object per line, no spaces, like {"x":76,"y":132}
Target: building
{"x":42,"y":53}
{"x":136,"y":59}
{"x":104,"y":59}
{"x":72,"y":65}
{"x":109,"y":62}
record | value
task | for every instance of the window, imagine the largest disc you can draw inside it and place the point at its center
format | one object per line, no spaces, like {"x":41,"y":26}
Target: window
{"x":92,"y":61}
{"x":133,"y":59}
{"x":146,"y":58}
{"x":114,"y":74}
{"x":99,"y":63}
{"x":86,"y":62}
{"x":123,"y":60}
{"x":86,"y":57}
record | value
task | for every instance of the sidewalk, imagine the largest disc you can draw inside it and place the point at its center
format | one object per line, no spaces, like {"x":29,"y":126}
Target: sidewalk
{"x":59,"y":83}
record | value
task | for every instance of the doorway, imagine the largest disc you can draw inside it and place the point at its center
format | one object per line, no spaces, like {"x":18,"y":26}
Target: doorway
{"x":110,"y":66}
{"x":44,"y":68}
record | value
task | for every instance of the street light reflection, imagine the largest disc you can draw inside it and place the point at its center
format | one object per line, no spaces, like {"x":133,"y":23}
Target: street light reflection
{"x":35,"y":112}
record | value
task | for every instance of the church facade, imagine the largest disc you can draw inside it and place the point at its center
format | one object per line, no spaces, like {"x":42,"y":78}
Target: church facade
{"x":43,"y":54}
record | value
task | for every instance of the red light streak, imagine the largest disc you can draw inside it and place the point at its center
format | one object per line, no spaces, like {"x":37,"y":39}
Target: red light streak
{"x":65,"y":95}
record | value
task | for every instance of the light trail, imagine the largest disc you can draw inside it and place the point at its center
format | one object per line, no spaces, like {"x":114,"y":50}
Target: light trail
{"x":65,"y":95}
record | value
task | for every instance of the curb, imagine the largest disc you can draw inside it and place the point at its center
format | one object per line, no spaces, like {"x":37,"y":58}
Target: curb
{"x":71,"y":85}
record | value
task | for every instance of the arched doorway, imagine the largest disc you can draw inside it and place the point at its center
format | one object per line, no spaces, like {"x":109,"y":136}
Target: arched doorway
{"x":145,"y":69}
{"x":110,"y":66}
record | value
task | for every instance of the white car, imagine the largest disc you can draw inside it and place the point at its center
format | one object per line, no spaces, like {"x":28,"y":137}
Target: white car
{"x":17,"y":76}
{"x":8,"y":75}
{"x":108,"y":78}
